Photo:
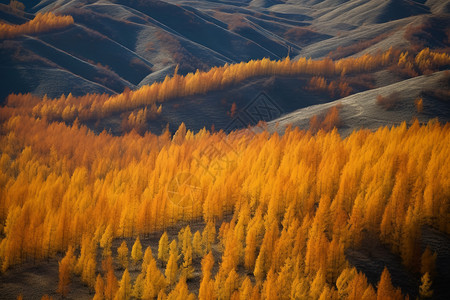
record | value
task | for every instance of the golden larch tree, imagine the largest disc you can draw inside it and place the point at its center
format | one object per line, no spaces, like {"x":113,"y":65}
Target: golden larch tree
{"x":136,"y":251}
{"x":124,"y":291}
{"x":99,"y":288}
{"x":172,"y":269}
{"x":163,"y":248}
{"x":425,"y":290}
{"x":66,"y":266}
{"x":197,"y":244}
{"x":122,"y":255}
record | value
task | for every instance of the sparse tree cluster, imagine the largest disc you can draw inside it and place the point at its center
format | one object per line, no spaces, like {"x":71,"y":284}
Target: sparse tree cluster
{"x":327,"y":121}
{"x":41,"y":23}
{"x":334,"y":88}
{"x":138,"y":120}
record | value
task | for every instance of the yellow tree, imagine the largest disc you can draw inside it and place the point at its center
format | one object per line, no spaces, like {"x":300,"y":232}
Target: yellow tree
{"x":250,"y":250}
{"x":318,"y":284}
{"x":187,"y":268}
{"x":351,"y":284}
{"x":335,"y":259}
{"x":148,"y":257}
{"x":385,"y":288}
{"x":270,"y":289}
{"x":88,"y":273}
{"x":206,"y":290}
{"x":111,"y":284}
{"x":328,"y":294}
{"x":186,"y":239}
{"x":230,"y":286}
{"x":300,"y":289}
{"x":410,"y":241}
{"x":369,"y":293}
{"x":180,"y":291}
{"x":99,"y":288}
{"x":162,"y":295}
{"x":173,"y":248}
{"x":246,"y":289}
{"x":260,"y":264}
{"x":419,"y":105}
{"x":316,"y":250}
{"x":172,"y":268}
{"x":163,"y":248}
{"x":232,"y":252}
{"x":208,"y":236}
{"x":264,"y":260}
{"x":136,"y":251}
{"x":154,"y":281}
{"x":285,"y":279}
{"x":87,"y":252}
{"x":197,"y":244}
{"x":122,"y":255}
{"x":124,"y":291}
{"x":343,"y":282}
{"x":66,"y":266}
{"x":106,"y":241}
{"x":425,"y":290}
{"x":138,"y":287}
{"x":356,"y":222}
{"x":180,"y":134}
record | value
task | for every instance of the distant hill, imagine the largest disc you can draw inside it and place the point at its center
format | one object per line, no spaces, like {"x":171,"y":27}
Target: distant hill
{"x":362,"y":110}
{"x":120,"y":44}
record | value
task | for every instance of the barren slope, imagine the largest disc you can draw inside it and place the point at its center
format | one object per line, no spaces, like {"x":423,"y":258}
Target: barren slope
{"x":362,"y":111}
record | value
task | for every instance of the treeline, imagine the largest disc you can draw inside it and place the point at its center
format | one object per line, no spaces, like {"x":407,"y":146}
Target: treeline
{"x":97,"y":106}
{"x":41,"y":23}
{"x":424,"y":62}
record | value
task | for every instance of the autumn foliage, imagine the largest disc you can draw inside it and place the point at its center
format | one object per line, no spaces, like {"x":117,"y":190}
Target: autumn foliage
{"x":62,"y":184}
{"x":97,"y":106}
{"x":295,"y":203}
{"x":137,"y":120}
{"x":334,"y":88}
{"x":326,"y":122}
{"x":41,"y":23}
{"x":425,"y":61}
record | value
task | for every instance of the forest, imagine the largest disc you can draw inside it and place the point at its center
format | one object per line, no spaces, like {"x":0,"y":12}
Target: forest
{"x":66,"y":188}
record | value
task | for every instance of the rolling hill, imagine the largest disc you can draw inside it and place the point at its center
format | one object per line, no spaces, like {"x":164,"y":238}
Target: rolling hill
{"x":118,"y":44}
{"x":304,"y":143}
